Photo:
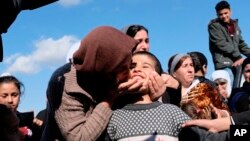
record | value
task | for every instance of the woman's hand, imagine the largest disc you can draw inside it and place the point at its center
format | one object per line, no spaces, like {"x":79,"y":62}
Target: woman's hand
{"x":170,"y":81}
{"x":37,"y":122}
{"x":157,"y":86}
{"x":134,"y":85}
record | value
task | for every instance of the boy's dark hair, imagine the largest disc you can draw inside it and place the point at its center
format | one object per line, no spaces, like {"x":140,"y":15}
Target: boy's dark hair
{"x":158,"y":67}
{"x":222,"y":5}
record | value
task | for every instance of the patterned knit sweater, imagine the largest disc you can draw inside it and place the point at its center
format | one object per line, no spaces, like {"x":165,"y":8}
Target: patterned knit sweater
{"x":155,"y":121}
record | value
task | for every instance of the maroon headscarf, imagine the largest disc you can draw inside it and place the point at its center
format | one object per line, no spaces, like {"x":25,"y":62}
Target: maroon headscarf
{"x":101,"y":54}
{"x":103,"y":50}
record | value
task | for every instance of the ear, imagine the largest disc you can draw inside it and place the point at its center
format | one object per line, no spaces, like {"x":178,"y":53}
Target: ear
{"x":204,"y":67}
{"x":174,"y":75}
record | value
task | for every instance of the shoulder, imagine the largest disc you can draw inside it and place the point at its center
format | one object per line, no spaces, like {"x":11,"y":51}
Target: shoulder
{"x":173,"y":109}
{"x":59,"y":72}
{"x":213,"y":22}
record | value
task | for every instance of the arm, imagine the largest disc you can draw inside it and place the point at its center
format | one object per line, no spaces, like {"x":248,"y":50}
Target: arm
{"x":215,"y":125}
{"x":243,"y":47}
{"x":79,"y":125}
{"x":77,"y":116}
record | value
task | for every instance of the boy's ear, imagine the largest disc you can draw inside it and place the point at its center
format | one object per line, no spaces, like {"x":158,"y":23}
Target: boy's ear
{"x":204,"y":67}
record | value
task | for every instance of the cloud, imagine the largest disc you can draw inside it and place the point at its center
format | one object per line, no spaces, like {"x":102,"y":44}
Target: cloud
{"x":68,"y":3}
{"x":48,"y":53}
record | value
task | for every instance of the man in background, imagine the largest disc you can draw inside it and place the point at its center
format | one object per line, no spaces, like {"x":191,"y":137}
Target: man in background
{"x":225,"y":41}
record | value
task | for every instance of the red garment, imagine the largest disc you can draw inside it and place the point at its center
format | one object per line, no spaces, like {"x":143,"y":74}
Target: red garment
{"x":25,"y":132}
{"x":231,"y":28}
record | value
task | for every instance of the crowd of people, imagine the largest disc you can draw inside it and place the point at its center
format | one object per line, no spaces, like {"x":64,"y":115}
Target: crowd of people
{"x":113,"y":88}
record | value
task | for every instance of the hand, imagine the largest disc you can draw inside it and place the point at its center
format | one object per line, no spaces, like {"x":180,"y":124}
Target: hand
{"x":157,"y":86}
{"x":133,"y":85}
{"x":218,"y":112}
{"x":170,"y":81}
{"x":238,"y":62}
{"x":38,"y":122}
{"x":223,"y":92}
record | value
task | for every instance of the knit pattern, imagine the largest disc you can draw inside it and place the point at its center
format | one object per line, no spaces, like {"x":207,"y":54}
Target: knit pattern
{"x":146,"y":119}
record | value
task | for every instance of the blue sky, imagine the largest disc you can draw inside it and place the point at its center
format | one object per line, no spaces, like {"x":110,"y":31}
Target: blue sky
{"x":37,"y":42}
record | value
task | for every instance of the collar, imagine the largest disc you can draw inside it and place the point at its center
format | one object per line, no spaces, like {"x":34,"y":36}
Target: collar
{"x":137,"y":107}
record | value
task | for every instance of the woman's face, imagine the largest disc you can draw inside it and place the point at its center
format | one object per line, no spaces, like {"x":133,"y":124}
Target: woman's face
{"x":142,"y":37}
{"x":222,"y":88}
{"x":185,"y":74}
{"x":9,"y":95}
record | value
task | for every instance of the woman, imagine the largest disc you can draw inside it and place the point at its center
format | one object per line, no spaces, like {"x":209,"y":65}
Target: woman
{"x":222,"y":79}
{"x":139,"y":33}
{"x":180,"y":66}
{"x":81,"y":94}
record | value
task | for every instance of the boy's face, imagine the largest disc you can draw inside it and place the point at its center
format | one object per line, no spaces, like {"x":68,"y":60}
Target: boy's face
{"x":224,"y":15}
{"x":141,"y":66}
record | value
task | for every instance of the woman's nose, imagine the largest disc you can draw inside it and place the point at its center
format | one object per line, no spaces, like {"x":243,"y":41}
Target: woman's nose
{"x":10,"y":99}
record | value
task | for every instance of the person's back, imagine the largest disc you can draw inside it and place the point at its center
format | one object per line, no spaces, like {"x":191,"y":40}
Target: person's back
{"x":225,"y":41}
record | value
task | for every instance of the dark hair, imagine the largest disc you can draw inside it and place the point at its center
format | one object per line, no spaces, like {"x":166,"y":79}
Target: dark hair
{"x":222,"y":5}
{"x":199,"y":60}
{"x":5,"y":112}
{"x":245,"y":62}
{"x":158,"y":67}
{"x":8,"y":79}
{"x":133,"y":29}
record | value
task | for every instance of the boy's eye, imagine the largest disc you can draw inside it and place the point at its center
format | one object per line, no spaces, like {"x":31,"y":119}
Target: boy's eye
{"x":132,"y":65}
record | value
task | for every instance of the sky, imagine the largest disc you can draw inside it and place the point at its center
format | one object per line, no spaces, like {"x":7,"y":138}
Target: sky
{"x":38,"y":41}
